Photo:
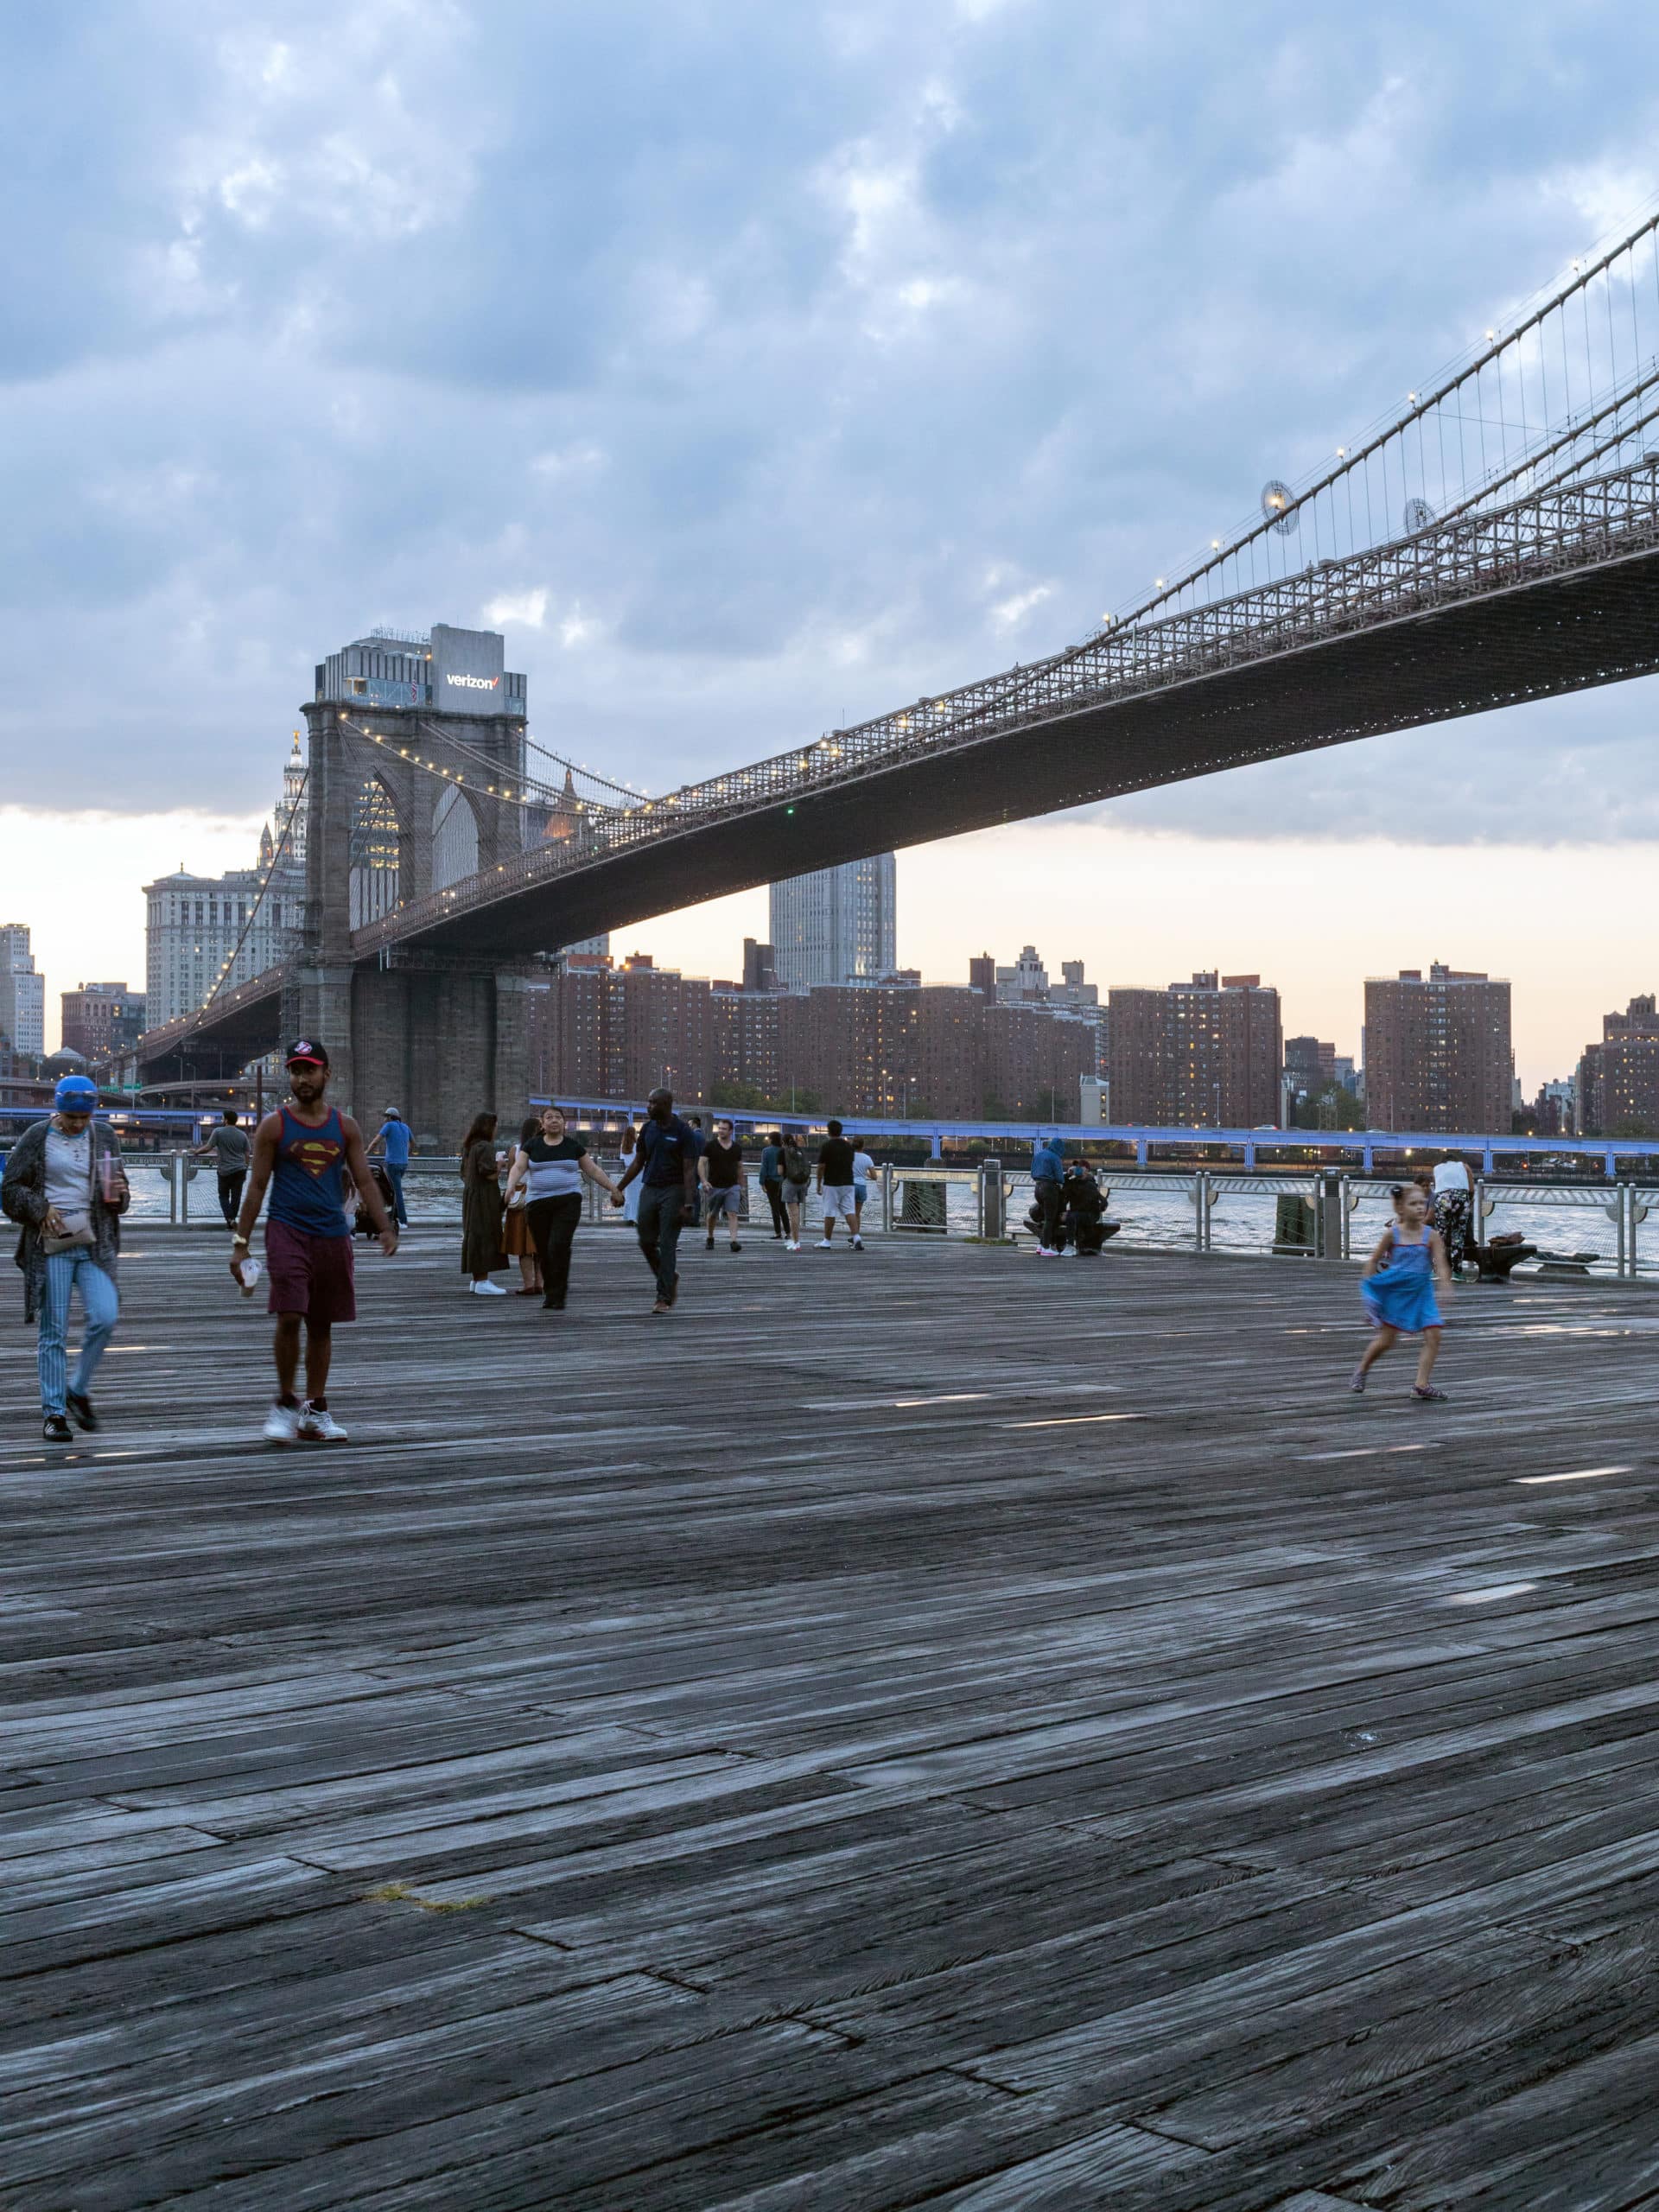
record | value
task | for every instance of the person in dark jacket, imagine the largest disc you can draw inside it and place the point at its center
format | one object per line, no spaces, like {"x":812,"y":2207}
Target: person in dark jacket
{"x":1047,"y":1175}
{"x":482,"y":1252}
{"x":772,"y":1182}
{"x":66,"y":1188}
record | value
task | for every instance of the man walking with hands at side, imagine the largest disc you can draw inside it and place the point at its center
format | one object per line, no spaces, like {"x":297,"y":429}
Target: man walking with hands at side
{"x":304,"y":1151}
{"x":666,"y":1158}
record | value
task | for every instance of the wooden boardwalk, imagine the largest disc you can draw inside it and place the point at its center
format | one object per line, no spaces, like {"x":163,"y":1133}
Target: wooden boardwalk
{"x":930,"y":1729}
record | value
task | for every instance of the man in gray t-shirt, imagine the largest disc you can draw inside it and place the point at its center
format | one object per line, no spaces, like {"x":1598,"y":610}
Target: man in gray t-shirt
{"x":229,"y":1145}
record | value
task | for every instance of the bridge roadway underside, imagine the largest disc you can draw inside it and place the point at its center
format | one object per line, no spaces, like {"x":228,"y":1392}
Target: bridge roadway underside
{"x":797,"y":1759}
{"x":1557,"y":635}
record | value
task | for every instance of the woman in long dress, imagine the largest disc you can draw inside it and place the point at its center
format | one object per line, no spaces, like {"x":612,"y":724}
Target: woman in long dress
{"x":631,"y":1192}
{"x":516,"y":1238}
{"x":1397,"y":1284}
{"x":482,"y":1253}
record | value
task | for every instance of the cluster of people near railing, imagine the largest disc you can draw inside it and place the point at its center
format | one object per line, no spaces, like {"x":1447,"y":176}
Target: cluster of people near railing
{"x":524,"y":1203}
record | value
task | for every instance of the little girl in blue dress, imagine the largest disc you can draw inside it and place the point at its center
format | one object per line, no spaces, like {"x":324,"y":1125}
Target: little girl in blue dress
{"x":1397,"y":1285}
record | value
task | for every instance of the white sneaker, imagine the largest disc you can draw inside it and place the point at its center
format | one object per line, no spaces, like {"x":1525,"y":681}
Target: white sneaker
{"x":487,"y":1289}
{"x":793,"y":1244}
{"x":283,"y":1425}
{"x":824,"y":1245}
{"x":858,"y":1243}
{"x":318,"y":1425}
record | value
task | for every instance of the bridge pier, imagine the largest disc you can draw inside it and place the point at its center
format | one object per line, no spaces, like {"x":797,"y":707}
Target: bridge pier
{"x":440,"y":1040}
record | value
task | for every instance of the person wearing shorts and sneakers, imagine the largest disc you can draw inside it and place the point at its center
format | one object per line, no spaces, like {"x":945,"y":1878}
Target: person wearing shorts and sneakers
{"x":798,"y":1181}
{"x":724,"y":1179}
{"x":865,"y":1172}
{"x":304,"y":1151}
{"x":836,"y":1180}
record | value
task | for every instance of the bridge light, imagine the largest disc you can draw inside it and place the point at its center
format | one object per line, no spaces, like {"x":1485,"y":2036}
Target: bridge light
{"x":1158,"y":582}
{"x":1342,"y":453}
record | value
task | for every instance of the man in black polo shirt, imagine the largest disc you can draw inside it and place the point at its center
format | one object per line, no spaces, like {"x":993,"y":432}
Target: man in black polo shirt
{"x":723,"y":1176}
{"x":665,"y":1159}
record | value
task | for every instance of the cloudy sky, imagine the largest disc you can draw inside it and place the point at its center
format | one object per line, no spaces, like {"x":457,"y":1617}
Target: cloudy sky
{"x":756,"y":367}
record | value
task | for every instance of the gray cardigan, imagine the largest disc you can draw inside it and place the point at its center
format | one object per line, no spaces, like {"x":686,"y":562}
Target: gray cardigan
{"x":23,"y":1198}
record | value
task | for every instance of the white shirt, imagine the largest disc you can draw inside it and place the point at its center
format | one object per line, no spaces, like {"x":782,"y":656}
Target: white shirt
{"x":69,"y":1171}
{"x":1452,"y":1175}
{"x":864,"y":1168}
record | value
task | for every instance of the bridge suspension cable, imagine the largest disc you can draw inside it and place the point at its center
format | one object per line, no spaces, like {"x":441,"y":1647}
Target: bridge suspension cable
{"x":1551,"y":394}
{"x":228,"y":967}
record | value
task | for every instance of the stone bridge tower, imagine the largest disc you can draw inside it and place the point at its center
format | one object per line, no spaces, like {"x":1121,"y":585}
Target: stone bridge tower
{"x":407,"y":735}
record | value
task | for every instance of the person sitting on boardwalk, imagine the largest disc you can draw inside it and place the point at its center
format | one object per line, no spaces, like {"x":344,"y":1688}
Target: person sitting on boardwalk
{"x":549,"y":1166}
{"x":305,"y":1150}
{"x":481,"y":1250}
{"x":667,"y":1159}
{"x":1083,"y":1208}
{"x":66,"y":1188}
{"x":1398,"y":1287}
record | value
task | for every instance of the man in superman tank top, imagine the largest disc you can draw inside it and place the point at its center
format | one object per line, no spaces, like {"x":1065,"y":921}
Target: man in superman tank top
{"x":304,"y":1151}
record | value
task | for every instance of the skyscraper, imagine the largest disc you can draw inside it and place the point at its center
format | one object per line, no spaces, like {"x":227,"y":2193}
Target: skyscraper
{"x":837,"y":925}
{"x":22,"y":994}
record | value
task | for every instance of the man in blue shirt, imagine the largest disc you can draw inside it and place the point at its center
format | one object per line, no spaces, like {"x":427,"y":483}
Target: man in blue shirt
{"x":392,"y":1140}
{"x":665,"y":1159}
{"x":1047,"y":1175}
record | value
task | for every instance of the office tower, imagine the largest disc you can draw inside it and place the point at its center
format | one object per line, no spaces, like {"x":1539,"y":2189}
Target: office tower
{"x":200,"y":930}
{"x":837,"y":925}
{"x":1437,"y":1051}
{"x":22,"y":995}
{"x":759,"y":966}
{"x":101,"y":1019}
{"x":1206,"y":1054}
{"x":1617,"y":1083}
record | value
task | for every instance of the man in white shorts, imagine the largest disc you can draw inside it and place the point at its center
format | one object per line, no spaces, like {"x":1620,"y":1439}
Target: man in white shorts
{"x":836,"y":1178}
{"x":864,"y":1173}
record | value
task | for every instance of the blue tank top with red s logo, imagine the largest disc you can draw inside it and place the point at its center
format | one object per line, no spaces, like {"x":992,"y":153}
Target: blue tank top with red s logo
{"x":307,"y":1188}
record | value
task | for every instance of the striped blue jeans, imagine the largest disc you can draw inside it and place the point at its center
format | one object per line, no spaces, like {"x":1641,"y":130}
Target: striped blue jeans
{"x":101,"y":1306}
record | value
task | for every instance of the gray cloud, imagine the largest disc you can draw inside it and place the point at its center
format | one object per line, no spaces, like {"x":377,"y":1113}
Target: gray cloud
{"x":784,"y":363}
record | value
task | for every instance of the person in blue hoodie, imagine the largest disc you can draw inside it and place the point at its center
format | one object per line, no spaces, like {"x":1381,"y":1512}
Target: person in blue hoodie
{"x":1048,"y":1176}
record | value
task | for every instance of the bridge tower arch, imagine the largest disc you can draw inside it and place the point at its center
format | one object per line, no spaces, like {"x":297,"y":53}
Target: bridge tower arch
{"x":439,"y":1036}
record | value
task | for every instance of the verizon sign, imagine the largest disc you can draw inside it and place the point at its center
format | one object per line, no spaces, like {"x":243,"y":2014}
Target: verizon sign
{"x":474,"y":683}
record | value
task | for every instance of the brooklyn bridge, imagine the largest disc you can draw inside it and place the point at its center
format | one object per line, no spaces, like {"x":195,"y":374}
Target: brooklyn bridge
{"x":1494,"y":541}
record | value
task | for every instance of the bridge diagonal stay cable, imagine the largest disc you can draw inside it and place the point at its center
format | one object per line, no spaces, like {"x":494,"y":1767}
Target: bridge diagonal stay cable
{"x":280,"y":846}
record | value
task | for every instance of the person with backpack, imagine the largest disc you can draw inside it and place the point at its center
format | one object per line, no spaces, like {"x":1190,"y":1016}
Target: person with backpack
{"x":772,"y":1182}
{"x":798,"y":1181}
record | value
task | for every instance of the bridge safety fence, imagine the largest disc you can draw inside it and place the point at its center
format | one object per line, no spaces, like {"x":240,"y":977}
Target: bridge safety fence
{"x":1600,"y":1228}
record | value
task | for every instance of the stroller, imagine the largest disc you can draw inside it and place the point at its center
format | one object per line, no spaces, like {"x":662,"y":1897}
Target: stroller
{"x":362,"y":1226}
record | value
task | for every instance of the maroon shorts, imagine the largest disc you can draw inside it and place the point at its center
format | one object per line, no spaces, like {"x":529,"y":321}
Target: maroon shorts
{"x":309,"y":1274}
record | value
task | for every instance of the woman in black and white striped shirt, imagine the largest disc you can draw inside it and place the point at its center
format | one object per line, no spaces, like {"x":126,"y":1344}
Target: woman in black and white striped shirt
{"x":551,"y":1167}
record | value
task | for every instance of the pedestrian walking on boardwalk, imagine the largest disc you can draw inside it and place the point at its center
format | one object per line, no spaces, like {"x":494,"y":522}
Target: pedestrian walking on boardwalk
{"x":391,"y":1141}
{"x":1048,"y":1180}
{"x":665,"y":1161}
{"x":516,"y":1237}
{"x":549,"y":1167}
{"x":229,"y":1144}
{"x":66,"y":1189}
{"x":1454,"y":1202}
{"x":772,"y":1182}
{"x":864,"y":1173}
{"x":798,"y":1181}
{"x":304,"y":1152}
{"x":837,"y":1177}
{"x":630,"y":1191}
{"x":481,"y":1252}
{"x":725,"y":1180}
{"x":1397,"y":1284}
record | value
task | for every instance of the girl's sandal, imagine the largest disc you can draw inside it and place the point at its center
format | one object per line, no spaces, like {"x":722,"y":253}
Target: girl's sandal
{"x":1428,"y":1396}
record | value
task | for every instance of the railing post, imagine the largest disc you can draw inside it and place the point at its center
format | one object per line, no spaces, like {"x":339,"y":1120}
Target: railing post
{"x":886,"y":1197}
{"x":992,"y":1224}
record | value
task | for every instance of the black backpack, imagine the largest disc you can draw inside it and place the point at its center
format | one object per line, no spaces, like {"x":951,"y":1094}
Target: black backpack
{"x":792,"y":1160}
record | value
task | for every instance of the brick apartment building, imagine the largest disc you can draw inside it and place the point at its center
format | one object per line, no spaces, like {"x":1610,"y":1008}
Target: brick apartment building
{"x":100,"y":1019}
{"x":1437,"y":1051}
{"x":1619,"y":1079}
{"x":1206,"y":1054}
{"x":900,"y":1048}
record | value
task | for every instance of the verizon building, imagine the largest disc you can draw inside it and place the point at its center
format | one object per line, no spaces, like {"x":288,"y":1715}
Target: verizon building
{"x":451,"y":671}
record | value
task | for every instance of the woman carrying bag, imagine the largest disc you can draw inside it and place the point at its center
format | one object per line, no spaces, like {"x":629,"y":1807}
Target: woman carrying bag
{"x":65,"y":1184}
